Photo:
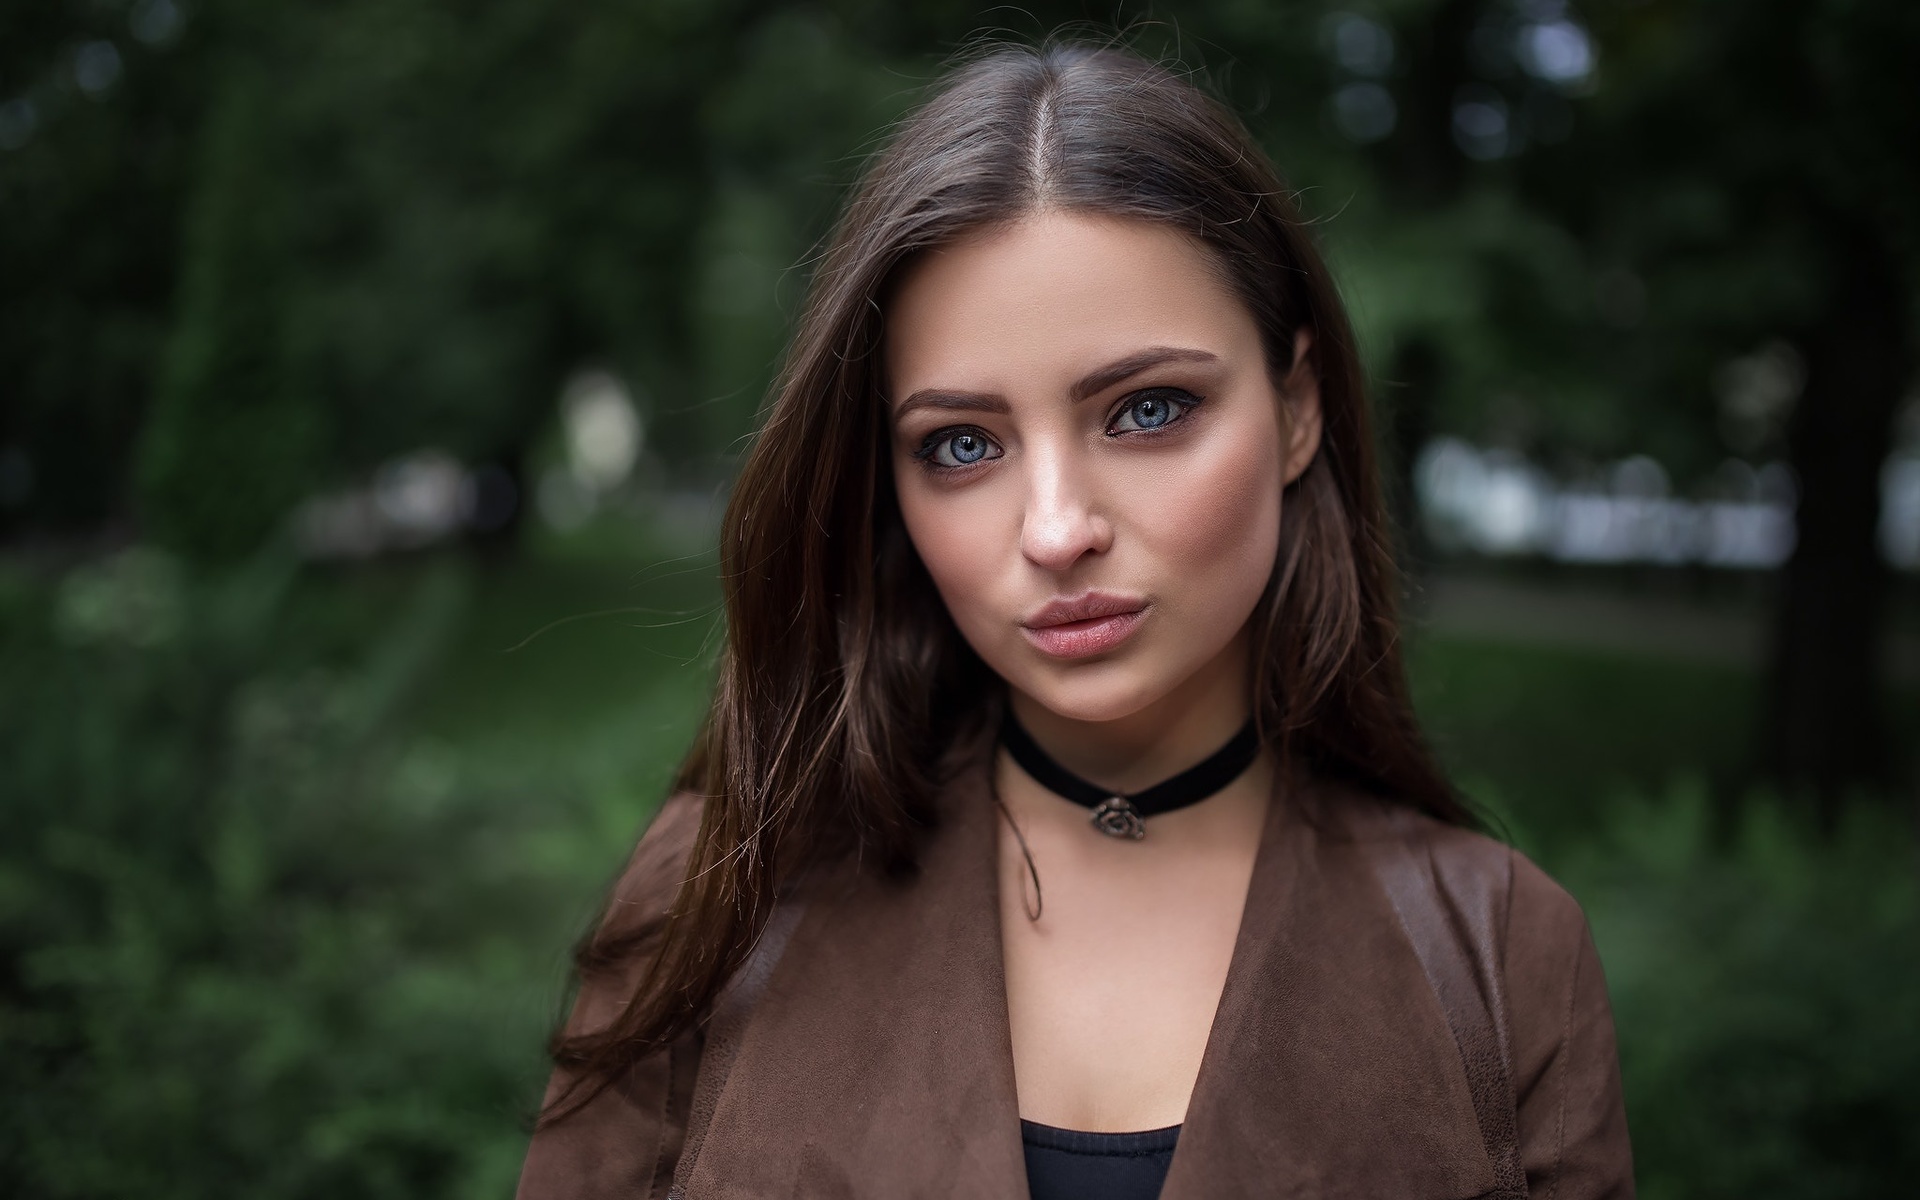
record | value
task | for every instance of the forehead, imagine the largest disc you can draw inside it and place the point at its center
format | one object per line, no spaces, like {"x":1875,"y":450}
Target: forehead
{"x":1041,"y":300}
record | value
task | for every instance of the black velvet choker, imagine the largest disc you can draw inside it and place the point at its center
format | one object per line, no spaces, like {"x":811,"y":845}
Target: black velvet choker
{"x":1118,"y":815}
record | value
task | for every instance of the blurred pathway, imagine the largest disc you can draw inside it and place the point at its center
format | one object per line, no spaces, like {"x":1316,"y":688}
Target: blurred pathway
{"x":1509,"y":610}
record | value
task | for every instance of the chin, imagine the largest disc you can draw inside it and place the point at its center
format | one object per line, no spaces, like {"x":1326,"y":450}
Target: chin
{"x":1093,"y":692}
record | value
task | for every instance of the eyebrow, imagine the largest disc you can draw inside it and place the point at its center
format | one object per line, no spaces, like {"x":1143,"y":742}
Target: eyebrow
{"x":1091,"y":384}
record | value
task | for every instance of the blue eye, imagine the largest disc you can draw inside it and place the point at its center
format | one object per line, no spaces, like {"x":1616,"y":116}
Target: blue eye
{"x":952,"y":448}
{"x":1155,"y":408}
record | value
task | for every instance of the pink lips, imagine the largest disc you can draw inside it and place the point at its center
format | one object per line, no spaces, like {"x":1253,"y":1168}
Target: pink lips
{"x":1084,"y":625}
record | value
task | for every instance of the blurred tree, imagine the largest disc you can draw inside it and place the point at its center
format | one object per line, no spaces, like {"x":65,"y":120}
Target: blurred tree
{"x":235,"y":435}
{"x":1568,"y":221}
{"x":1761,"y":181}
{"x":372,"y":228}
{"x":98,"y":119}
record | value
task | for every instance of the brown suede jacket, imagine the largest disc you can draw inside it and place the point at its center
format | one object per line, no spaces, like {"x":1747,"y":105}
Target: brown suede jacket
{"x":865,"y":1050}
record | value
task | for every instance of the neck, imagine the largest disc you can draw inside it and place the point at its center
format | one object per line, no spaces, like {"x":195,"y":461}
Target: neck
{"x":1163,"y":738}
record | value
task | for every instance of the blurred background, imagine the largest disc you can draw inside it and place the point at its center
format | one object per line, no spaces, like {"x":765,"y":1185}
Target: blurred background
{"x":371,"y":377}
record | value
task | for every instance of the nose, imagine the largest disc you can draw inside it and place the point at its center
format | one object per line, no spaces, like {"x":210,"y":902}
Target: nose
{"x":1063,"y":519}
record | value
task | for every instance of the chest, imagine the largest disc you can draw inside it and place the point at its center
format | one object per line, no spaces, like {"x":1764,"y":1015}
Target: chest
{"x":1112,"y":992}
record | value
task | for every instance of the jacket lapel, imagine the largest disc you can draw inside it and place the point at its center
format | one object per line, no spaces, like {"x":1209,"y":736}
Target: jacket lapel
{"x":879,"y":1061}
{"x":1330,"y":1070}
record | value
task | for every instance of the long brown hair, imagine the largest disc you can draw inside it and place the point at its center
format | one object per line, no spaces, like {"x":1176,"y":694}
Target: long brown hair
{"x":843,"y":682}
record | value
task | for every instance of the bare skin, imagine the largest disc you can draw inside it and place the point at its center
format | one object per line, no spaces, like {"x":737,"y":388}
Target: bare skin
{"x":1082,"y":409}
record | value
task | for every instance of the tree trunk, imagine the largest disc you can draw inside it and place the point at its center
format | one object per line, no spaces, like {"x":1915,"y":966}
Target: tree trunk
{"x":1824,"y":729}
{"x":1406,"y":402}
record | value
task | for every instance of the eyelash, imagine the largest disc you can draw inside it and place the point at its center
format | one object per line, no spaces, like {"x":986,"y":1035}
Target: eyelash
{"x":1184,"y":402}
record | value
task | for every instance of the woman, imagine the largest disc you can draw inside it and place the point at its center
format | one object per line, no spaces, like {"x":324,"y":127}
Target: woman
{"x":1060,"y":822}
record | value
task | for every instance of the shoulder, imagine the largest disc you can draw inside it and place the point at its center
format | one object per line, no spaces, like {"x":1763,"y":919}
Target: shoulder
{"x":1538,"y":926}
{"x":1536,"y":966}
{"x":636,"y":907}
{"x":1561,"y":1050}
{"x":620,"y":1140}
{"x":657,"y":867}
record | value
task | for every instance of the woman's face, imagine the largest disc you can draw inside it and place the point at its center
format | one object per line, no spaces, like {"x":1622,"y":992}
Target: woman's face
{"x":1089,"y":453}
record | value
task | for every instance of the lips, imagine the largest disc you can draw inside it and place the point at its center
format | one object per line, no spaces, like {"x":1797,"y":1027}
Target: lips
{"x":1085,"y":607}
{"x":1085,"y":625}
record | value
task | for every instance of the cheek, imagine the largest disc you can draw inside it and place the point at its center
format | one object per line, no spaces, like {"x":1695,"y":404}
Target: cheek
{"x":955,"y":534}
{"x":1215,"y":527}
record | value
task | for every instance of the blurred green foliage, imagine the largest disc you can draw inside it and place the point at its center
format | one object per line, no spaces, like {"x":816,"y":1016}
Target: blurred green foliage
{"x":293,"y":856}
{"x":264,"y":934}
{"x":1764,"y":983}
{"x":314,"y":236}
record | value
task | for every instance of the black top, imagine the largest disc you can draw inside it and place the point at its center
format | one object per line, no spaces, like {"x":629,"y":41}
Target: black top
{"x":1068,"y":1164}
